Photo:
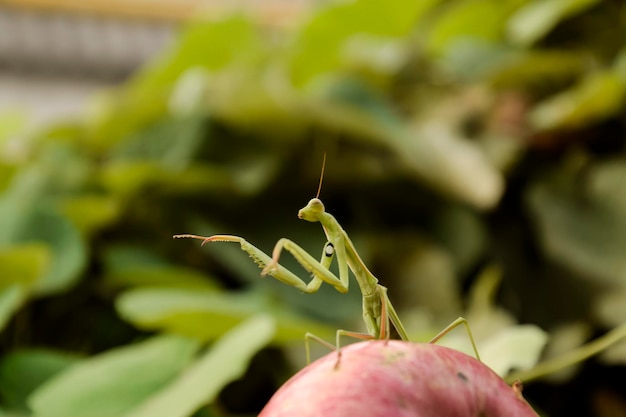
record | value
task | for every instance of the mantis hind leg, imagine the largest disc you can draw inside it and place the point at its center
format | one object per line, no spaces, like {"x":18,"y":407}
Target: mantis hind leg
{"x":456,"y":323}
{"x":383,"y":333}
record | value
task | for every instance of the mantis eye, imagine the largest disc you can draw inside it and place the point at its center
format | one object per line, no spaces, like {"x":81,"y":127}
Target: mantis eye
{"x":329,"y":250}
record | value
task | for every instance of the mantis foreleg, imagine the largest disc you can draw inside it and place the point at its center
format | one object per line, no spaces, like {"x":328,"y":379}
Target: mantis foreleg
{"x":319,"y":269}
{"x":270,"y":266}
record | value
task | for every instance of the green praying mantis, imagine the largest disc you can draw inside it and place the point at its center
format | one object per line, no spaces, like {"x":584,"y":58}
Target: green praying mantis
{"x":378,"y":312}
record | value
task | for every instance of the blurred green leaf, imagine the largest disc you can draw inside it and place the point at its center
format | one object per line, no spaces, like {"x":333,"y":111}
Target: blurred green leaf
{"x":536,"y":18}
{"x":21,"y":268}
{"x":127,"y":178}
{"x":137,"y":266}
{"x":539,"y":69}
{"x":453,"y":165}
{"x":6,"y":174}
{"x":580,"y":227}
{"x":382,"y":55}
{"x":421,"y":275}
{"x":119,"y":257}
{"x":24,"y":264}
{"x":203,"y":380}
{"x":429,"y":150}
{"x":615,"y":355}
{"x":67,"y":249}
{"x":605,"y":182}
{"x":21,"y":372}
{"x":463,"y":234}
{"x":145,"y":99}
{"x":116,"y":114}
{"x":564,"y":339}
{"x":161,"y":276}
{"x":12,"y":122}
{"x":190,"y":51}
{"x":172,"y":143}
{"x":189,"y":95}
{"x":320,"y":44}
{"x":206,"y":315}
{"x":12,"y":413}
{"x":474,"y":59}
{"x":619,"y":65}
{"x":112,"y":383}
{"x":594,"y":99}
{"x":28,"y":214}
{"x":90,"y":213}
{"x":11,"y":298}
{"x":203,"y":315}
{"x":483,"y":19}
{"x":514,"y":348}
{"x":261,"y":103}
{"x":610,"y":308}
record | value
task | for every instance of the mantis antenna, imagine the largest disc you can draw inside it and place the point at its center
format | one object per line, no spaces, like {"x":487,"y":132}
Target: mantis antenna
{"x":319,"y":187}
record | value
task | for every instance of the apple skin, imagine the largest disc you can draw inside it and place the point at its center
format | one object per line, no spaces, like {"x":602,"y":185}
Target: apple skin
{"x":392,"y":378}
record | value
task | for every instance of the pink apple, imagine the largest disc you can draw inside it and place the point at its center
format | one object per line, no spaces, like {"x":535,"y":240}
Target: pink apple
{"x":397,"y":379}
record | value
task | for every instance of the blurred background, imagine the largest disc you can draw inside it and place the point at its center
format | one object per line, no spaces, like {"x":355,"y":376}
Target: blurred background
{"x":475,"y":155}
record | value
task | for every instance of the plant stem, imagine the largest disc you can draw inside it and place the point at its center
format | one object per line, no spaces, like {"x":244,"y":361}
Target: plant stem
{"x":570,"y":358}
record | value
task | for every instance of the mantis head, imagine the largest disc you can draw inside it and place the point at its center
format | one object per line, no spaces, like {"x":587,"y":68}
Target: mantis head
{"x":313,"y":211}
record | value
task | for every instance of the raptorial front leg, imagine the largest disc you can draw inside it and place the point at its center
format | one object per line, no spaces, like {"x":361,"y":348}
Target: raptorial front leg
{"x":318,"y":269}
{"x":258,"y":256}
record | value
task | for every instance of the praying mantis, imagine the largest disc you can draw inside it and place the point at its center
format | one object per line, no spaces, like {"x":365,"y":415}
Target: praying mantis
{"x":378,"y":312}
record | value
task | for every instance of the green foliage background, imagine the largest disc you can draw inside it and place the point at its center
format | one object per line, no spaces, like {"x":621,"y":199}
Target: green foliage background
{"x":462,"y":136}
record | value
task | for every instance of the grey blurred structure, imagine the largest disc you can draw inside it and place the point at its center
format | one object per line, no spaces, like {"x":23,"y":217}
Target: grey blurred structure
{"x":56,"y":53}
{"x":54,"y":43}
{"x":51,"y":61}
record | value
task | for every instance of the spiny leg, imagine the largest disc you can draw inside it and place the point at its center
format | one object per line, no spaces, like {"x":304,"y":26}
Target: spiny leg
{"x":454,"y":325}
{"x":320,"y":270}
